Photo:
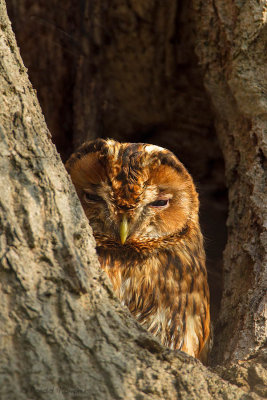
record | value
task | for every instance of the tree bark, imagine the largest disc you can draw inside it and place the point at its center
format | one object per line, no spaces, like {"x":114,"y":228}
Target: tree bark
{"x":235,"y":77}
{"x":63,"y":333}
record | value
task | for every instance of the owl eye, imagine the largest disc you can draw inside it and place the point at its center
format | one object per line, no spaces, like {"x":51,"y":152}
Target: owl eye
{"x":160,"y":203}
{"x":90,"y":197}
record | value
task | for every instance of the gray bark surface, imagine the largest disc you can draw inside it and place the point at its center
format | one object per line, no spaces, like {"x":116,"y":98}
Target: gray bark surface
{"x":63,"y":334}
{"x":236,"y":78}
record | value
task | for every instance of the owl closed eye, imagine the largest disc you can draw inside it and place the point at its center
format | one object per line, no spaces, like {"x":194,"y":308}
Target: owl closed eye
{"x":143,"y":208}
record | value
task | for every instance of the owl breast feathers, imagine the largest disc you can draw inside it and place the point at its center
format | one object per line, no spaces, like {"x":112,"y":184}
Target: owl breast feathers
{"x":143,"y":208}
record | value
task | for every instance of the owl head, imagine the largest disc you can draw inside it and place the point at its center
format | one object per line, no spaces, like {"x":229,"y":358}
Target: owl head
{"x":133,"y":191}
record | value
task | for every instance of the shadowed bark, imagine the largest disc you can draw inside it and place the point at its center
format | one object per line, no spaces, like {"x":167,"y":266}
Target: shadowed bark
{"x":235,"y":77}
{"x":63,"y":334}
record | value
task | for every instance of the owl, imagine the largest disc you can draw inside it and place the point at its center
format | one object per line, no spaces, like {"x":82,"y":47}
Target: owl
{"x":143,"y":208}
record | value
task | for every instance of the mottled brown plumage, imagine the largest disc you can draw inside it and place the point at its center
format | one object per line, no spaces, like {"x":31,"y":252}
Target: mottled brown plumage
{"x":143,"y":207}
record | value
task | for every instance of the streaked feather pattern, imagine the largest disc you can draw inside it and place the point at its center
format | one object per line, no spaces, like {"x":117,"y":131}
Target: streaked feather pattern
{"x":159,"y":272}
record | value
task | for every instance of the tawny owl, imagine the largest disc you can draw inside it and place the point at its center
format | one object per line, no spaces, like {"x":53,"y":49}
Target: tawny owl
{"x":143,"y":207}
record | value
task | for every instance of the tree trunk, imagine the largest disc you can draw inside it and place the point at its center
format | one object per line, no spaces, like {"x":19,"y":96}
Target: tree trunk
{"x":63,"y":333}
{"x":235,"y":77}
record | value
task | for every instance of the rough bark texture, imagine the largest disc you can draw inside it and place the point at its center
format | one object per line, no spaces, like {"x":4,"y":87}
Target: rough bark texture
{"x":62,"y":332}
{"x":236,"y":78}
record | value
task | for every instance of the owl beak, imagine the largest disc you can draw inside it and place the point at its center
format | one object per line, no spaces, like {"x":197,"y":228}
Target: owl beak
{"x":124,"y":229}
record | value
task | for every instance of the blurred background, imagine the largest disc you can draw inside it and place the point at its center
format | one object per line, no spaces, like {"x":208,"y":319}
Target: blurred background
{"x":126,"y":69}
